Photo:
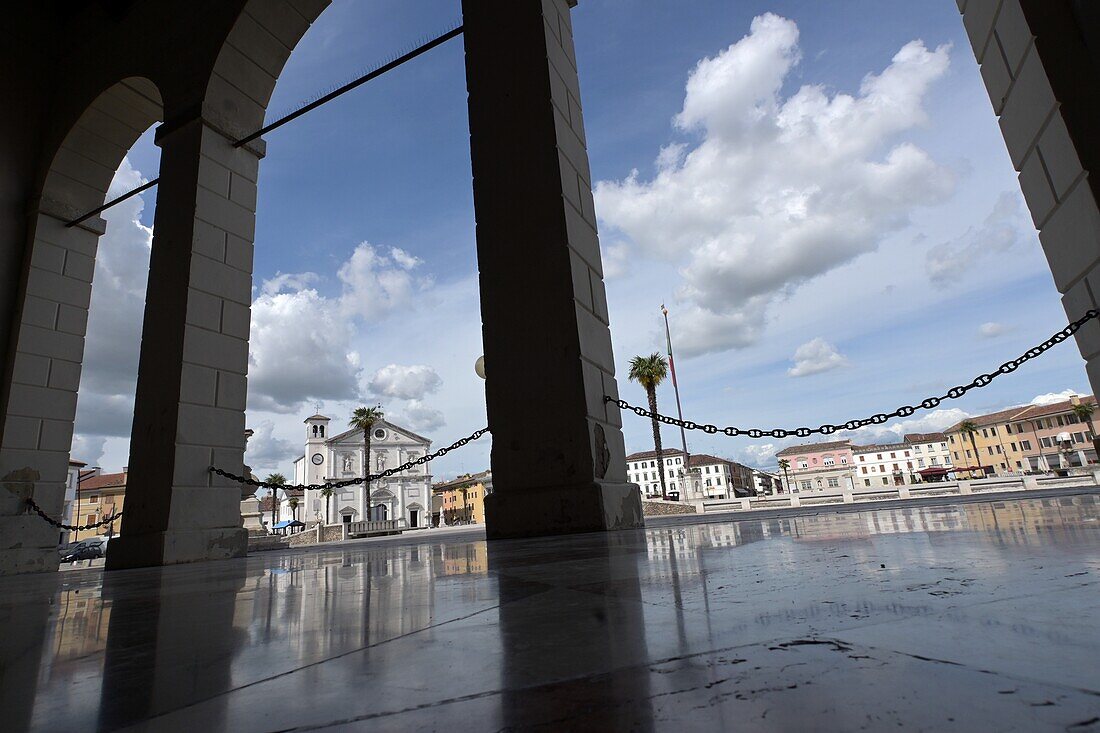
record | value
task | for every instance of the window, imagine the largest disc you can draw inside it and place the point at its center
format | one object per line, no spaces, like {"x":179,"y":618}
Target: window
{"x":993,"y":431}
{"x":968,"y":453}
{"x":1019,"y":465}
{"x":956,"y":454}
{"x":893,"y":455}
{"x":861,"y":459}
{"x":718,"y":481}
{"x":677,"y":461}
{"x":806,"y":485}
{"x":828,"y":460}
{"x":708,"y":470}
{"x":916,"y":448}
{"x":952,"y":439}
{"x":879,"y":456}
{"x":999,"y":451}
{"x":885,"y":481}
{"x":920,"y":462}
{"x":834,"y":482}
{"x":932,"y":461}
{"x":866,"y":482}
{"x":1060,"y":423}
{"x":985,"y":433}
{"x":803,"y":464}
{"x":93,"y":499}
{"x":1046,"y":443}
{"x":668,"y":461}
{"x":1012,"y":446}
{"x":990,"y":449}
{"x":844,"y":460}
{"x":1078,"y":437}
{"x":1025,"y":444}
{"x":944,"y":445}
{"x":1008,"y":428}
{"x":1071,"y":419}
{"x":896,"y":467}
{"x":865,"y":469}
{"x":708,"y":482}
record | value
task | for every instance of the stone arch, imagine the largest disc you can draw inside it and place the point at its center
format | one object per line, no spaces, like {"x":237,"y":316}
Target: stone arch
{"x":47,"y":343}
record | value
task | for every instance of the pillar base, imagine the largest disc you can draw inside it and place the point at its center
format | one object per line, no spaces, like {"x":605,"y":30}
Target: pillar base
{"x":17,"y":560}
{"x":555,"y":510}
{"x":176,"y":546}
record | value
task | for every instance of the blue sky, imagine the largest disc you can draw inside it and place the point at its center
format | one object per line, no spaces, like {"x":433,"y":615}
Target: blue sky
{"x":877,"y":280}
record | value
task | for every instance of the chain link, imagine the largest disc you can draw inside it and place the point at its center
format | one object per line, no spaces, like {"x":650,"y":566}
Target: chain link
{"x":982,"y":380}
{"x":332,"y":485}
{"x":71,"y":527}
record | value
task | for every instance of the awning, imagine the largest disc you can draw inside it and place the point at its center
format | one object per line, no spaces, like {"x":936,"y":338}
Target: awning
{"x":289,"y":523}
{"x":936,"y":471}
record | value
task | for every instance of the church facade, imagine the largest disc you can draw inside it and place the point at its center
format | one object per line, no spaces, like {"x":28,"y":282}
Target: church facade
{"x":327,"y":457}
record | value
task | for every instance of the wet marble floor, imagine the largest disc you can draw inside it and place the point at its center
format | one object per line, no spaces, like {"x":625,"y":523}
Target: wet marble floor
{"x":968,"y":617}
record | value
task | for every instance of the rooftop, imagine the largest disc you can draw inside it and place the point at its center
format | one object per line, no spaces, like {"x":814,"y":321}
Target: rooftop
{"x":1024,"y":412}
{"x":815,"y":447}
{"x":665,"y":453}
{"x":103,"y":481}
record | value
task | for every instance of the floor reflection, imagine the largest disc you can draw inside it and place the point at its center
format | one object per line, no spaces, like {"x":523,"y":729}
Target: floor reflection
{"x":539,"y":630}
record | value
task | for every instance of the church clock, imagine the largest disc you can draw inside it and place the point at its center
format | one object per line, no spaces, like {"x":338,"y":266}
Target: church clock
{"x":318,"y":459}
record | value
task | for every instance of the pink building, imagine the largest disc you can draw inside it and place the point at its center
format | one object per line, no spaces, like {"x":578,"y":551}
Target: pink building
{"x":818,"y":466}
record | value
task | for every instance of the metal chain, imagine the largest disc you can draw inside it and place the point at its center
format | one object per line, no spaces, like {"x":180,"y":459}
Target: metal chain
{"x":71,"y":527}
{"x":982,"y":380}
{"x":352,"y":482}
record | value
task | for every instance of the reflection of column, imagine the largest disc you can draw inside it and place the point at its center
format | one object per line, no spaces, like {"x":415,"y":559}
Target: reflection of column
{"x":21,"y":648}
{"x":168,"y":646}
{"x":542,"y":640}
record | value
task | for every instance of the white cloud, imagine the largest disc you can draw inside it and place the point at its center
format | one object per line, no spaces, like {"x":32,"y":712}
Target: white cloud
{"x":403,"y":259}
{"x":1051,"y":397}
{"x":300,"y":349}
{"x":88,"y":449}
{"x":404,"y":382}
{"x":289,"y":281}
{"x":267,"y":453}
{"x":778,"y":190}
{"x":417,"y":416}
{"x":376,"y":284}
{"x":105,"y":406}
{"x":992,"y":330}
{"x":814,"y":357}
{"x":1003,"y":230}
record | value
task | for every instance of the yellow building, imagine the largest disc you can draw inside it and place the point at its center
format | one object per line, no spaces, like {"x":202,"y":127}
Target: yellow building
{"x":99,"y":496}
{"x":1024,"y":439}
{"x":464,"y":498}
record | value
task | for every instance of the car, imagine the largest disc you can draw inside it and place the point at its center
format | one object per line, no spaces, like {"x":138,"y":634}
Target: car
{"x":88,"y":549}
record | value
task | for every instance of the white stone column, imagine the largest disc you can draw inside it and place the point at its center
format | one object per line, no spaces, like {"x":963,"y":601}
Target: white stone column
{"x":189,"y":411}
{"x":41,"y":401}
{"x":558,"y":455}
{"x":1039,"y":60}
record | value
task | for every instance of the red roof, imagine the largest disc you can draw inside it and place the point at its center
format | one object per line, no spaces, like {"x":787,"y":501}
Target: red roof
{"x":103,"y":481}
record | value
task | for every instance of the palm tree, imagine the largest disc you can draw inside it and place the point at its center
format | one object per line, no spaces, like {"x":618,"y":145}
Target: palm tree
{"x":969,"y":428}
{"x":294,"y":507}
{"x":1083,"y":411}
{"x":277,"y":479}
{"x":364,"y":419}
{"x":650,"y":371}
{"x":784,"y":464}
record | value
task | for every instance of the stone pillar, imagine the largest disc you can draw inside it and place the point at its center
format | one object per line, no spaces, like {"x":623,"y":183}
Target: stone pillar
{"x":558,"y":457}
{"x":40,"y":408}
{"x":1040,"y":60}
{"x":189,"y":411}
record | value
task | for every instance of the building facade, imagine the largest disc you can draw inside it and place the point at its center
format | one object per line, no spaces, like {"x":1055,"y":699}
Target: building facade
{"x":887,"y":464}
{"x":463,"y":498}
{"x":642,"y":469}
{"x":327,"y":457}
{"x":1025,"y":439}
{"x":72,"y":485}
{"x":818,"y":466}
{"x":931,"y":455}
{"x":99,"y":495}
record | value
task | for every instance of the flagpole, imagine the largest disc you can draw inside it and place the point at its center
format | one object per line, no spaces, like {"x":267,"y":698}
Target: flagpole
{"x":675,"y":386}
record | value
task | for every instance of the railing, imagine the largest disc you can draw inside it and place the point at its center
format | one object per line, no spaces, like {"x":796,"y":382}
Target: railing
{"x":888,"y":493}
{"x":376,"y":526}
